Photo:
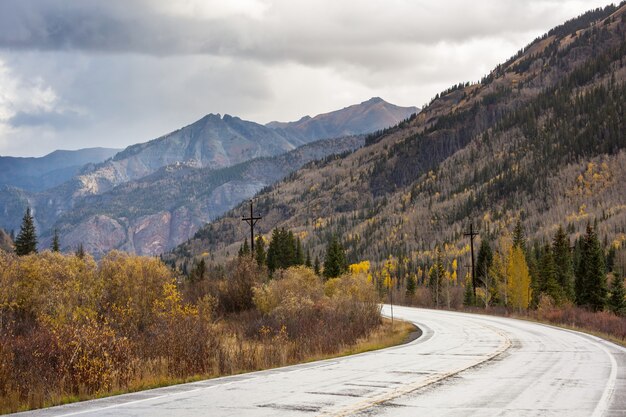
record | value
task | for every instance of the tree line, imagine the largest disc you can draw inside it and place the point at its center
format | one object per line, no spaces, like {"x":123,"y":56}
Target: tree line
{"x":286,"y":250}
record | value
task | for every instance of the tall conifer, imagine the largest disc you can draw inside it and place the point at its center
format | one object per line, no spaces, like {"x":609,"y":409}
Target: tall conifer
{"x":26,"y":241}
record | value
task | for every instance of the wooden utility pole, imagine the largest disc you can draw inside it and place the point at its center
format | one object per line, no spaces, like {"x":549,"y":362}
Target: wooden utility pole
{"x":472,"y":234}
{"x":251,"y":221}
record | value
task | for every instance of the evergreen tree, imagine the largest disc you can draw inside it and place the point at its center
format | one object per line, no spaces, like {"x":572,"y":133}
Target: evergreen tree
{"x":198,"y":272}
{"x":259,"y":249}
{"x":308,"y":263}
{"x":244,"y":250}
{"x":519,"y":237}
{"x":468,"y":294}
{"x":299,"y":260}
{"x":617,"y":301}
{"x":591,"y":289}
{"x":411,"y":285}
{"x":273,"y":252}
{"x":289,"y":249}
{"x":610,"y":259}
{"x":26,"y":241}
{"x":485,"y":259}
{"x":55,"y":247}
{"x":563,"y":263}
{"x":281,"y":253}
{"x":316,"y":266}
{"x":80,"y":251}
{"x":532,"y":264}
{"x":548,"y":283}
{"x":335,"y":260}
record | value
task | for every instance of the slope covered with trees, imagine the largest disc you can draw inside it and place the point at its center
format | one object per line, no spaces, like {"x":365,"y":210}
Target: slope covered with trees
{"x":541,"y":139}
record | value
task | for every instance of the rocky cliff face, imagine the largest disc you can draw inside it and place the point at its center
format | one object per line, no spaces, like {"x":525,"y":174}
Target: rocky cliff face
{"x":152,"y":215}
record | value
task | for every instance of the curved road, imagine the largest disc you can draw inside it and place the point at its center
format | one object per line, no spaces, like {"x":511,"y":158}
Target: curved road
{"x":462,"y":365}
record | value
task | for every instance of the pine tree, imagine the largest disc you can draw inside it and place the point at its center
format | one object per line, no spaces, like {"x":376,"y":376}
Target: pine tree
{"x":289,"y":249}
{"x":591,"y":277}
{"x":26,"y":241}
{"x":308,"y":263}
{"x":317,"y":267}
{"x":299,"y":260}
{"x":281,"y":253}
{"x":519,"y":238}
{"x":610,"y":259}
{"x":198,"y":272}
{"x":55,"y":247}
{"x":335,"y":260}
{"x":548,"y":283}
{"x":563,"y":263}
{"x":259,"y":249}
{"x":468,"y":294}
{"x":617,"y":301}
{"x":411,"y":285}
{"x":80,"y":251}
{"x":244,"y":250}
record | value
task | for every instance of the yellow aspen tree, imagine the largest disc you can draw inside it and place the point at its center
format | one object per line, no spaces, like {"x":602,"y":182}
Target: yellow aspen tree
{"x":455,"y":266}
{"x":498,"y":274}
{"x":518,"y":279}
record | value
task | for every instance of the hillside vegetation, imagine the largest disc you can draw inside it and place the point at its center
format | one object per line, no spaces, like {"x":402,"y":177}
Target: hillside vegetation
{"x":542,"y":138}
{"x":71,"y":328}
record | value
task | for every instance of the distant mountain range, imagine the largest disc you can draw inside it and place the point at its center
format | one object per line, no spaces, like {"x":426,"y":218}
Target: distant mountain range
{"x":38,"y":174}
{"x":541,"y":138}
{"x":368,"y":116}
{"x":154,"y":195}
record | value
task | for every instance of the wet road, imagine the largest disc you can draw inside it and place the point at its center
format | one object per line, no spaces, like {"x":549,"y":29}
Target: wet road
{"x":462,"y":365}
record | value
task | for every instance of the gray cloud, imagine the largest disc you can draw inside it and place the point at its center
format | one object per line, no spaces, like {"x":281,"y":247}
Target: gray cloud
{"x":116,"y":72}
{"x":53,"y":119}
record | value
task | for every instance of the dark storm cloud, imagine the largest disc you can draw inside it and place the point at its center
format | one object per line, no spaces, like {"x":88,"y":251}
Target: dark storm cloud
{"x":53,"y":119}
{"x":314,"y":32}
{"x":78,"y":73}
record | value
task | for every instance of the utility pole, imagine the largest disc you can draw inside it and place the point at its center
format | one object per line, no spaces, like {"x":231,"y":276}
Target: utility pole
{"x":472,"y":234}
{"x":251,"y":221}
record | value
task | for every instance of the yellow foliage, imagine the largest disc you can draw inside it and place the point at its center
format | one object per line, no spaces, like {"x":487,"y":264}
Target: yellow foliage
{"x":518,"y":279}
{"x":361,"y":267}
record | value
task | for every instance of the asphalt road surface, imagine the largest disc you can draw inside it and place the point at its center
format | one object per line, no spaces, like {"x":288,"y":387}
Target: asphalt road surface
{"x":462,"y":365}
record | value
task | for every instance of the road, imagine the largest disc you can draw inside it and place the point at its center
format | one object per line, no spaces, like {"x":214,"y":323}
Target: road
{"x":462,"y":365}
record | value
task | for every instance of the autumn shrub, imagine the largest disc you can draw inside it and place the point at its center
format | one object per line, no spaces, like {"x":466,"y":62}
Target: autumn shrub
{"x":299,"y":304}
{"x":235,"y":292}
{"x":71,"y":327}
{"x":604,"y":322}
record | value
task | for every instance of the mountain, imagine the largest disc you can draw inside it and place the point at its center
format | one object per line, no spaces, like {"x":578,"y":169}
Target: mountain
{"x":541,"y":138}
{"x":120,"y":202}
{"x":38,"y":174}
{"x":213,"y":142}
{"x":369,"y":116}
{"x":157,"y":212}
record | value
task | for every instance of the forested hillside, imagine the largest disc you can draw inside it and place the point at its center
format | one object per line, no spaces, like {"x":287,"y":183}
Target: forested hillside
{"x":541,"y":139}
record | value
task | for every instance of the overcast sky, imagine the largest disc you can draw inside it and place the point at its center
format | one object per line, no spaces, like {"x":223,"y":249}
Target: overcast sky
{"x":83,"y":73}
